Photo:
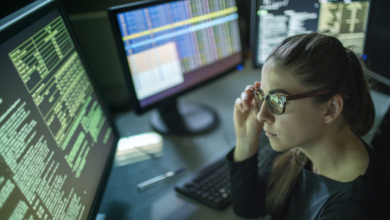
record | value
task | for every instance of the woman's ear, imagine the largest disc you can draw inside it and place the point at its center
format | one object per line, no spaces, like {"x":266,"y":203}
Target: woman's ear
{"x":333,"y":108}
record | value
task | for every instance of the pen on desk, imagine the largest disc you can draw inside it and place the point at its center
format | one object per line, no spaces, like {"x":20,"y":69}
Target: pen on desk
{"x":157,"y":179}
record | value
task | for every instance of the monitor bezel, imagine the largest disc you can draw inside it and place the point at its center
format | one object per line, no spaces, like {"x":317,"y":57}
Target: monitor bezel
{"x":254,"y":34}
{"x":23,"y":18}
{"x":254,"y":30}
{"x":135,"y":103}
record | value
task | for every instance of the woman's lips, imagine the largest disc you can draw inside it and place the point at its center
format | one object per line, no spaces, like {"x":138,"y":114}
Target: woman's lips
{"x":269,"y":134}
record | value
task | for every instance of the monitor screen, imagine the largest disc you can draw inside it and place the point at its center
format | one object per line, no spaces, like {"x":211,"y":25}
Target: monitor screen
{"x":168,"y":47}
{"x":275,"y":20}
{"x":56,"y":140}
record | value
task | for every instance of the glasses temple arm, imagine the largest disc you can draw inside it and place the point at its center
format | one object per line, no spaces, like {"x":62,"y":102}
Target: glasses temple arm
{"x":306,"y":95}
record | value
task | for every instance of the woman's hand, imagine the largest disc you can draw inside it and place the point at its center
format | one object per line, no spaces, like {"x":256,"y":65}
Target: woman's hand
{"x":248,"y":127}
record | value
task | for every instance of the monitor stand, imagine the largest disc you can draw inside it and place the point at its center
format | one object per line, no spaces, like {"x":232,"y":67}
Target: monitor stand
{"x":176,"y":118}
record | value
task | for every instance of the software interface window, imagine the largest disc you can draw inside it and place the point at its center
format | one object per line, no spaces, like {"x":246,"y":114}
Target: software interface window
{"x":51,"y":126}
{"x":345,"y":20}
{"x":165,"y":44}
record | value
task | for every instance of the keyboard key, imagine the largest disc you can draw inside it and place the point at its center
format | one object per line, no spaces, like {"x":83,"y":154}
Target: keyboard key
{"x":217,"y":200}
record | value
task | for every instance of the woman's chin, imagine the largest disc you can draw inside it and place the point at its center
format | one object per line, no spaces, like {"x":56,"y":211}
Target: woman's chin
{"x":279,"y":147}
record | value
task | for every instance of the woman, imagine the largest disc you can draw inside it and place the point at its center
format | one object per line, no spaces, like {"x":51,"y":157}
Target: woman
{"x":313,"y":103}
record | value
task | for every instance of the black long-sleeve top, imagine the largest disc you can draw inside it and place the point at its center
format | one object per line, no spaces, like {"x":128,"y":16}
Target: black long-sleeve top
{"x":315,"y":196}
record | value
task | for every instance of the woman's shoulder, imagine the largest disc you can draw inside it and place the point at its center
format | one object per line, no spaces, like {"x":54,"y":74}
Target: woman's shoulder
{"x":343,"y":208}
{"x":378,"y":171}
{"x":376,"y":179}
{"x":372,"y":190}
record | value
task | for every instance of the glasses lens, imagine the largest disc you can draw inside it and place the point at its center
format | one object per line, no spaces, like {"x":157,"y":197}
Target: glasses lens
{"x":258,"y":99}
{"x":275,"y":104}
{"x":260,"y":95}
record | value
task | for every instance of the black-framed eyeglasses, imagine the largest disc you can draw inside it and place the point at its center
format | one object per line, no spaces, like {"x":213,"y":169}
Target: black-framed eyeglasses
{"x":277,"y":103}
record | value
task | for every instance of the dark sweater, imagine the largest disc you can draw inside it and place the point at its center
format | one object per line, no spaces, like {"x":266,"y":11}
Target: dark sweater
{"x":315,"y":196}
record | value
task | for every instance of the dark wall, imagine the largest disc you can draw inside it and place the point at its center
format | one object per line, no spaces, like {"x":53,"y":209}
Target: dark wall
{"x":378,"y":44}
{"x":8,"y":7}
{"x":378,"y":38}
{"x":85,"y":6}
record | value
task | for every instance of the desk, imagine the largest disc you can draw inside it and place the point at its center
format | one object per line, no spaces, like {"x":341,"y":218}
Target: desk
{"x":122,"y":200}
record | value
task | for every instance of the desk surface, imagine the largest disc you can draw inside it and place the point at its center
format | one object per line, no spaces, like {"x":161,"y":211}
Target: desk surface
{"x":122,"y":200}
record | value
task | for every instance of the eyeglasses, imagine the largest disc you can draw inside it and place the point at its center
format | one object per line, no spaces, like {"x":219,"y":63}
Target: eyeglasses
{"x":277,"y":103}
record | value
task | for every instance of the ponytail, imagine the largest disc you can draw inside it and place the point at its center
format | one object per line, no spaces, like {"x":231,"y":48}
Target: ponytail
{"x":360,"y":105}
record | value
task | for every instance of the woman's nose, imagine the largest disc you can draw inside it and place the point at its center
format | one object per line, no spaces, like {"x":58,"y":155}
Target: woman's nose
{"x":265,"y":115}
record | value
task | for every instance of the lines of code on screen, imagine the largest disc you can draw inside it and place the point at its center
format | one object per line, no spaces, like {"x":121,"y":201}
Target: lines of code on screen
{"x":54,"y":135}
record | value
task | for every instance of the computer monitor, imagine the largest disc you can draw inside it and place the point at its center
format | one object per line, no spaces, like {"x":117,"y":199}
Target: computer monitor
{"x":274,"y":20}
{"x":57,"y":141}
{"x":168,"y":48}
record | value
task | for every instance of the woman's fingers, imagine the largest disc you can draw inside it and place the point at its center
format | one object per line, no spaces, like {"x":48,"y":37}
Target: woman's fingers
{"x":257,"y":85}
{"x":237,"y":104}
{"x":245,"y":101}
{"x":249,"y":87}
{"x":246,"y":98}
{"x":248,"y":90}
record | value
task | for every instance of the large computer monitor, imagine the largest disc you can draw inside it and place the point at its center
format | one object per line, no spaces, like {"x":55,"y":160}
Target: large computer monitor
{"x":168,"y":48}
{"x":274,"y":20}
{"x":57,"y":142}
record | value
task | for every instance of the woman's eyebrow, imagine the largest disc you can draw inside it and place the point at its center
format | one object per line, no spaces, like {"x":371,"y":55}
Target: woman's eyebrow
{"x":272,"y":91}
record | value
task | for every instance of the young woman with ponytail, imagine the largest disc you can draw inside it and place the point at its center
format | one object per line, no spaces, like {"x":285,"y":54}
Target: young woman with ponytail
{"x":313,"y":103}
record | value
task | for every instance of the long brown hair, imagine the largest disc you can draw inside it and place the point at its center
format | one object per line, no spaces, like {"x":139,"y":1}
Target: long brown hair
{"x":318,"y":62}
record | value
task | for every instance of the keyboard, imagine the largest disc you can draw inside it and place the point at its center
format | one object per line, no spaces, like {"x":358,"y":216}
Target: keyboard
{"x":209,"y":185}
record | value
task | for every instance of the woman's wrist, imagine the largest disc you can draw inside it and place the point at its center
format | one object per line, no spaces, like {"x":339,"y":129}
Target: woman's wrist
{"x":245,"y":149}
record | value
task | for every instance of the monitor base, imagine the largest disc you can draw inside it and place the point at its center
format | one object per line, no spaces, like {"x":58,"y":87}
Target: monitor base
{"x":183,"y":119}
